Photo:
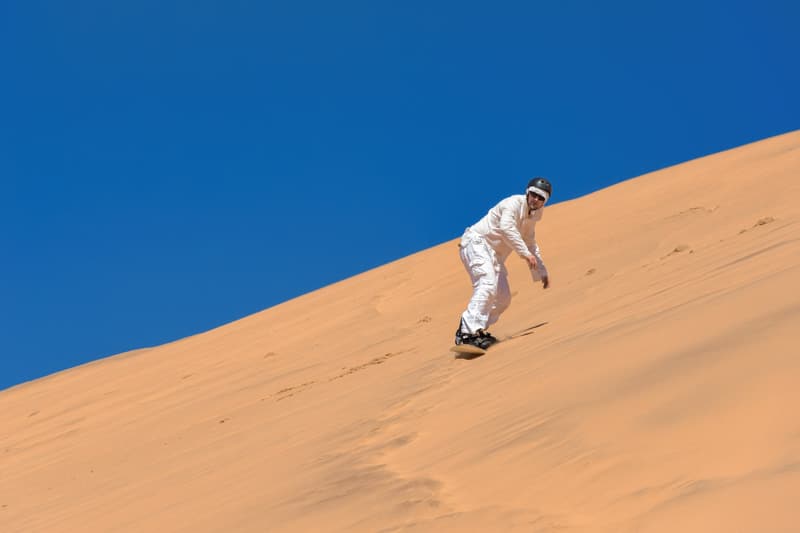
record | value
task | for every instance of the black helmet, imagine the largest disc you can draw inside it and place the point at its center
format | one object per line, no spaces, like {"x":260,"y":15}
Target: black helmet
{"x":541,"y":187}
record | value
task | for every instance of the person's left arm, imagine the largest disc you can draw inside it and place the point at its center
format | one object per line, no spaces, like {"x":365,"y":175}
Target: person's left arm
{"x":540,"y":272}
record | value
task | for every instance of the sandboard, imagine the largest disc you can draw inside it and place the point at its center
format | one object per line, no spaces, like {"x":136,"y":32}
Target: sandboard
{"x":467,"y":349}
{"x":473,"y":351}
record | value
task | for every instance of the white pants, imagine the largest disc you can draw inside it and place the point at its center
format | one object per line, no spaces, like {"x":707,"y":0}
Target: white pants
{"x":491,"y":294}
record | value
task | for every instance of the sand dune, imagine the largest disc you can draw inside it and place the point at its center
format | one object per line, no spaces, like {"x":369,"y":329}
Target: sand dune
{"x":659,"y":392}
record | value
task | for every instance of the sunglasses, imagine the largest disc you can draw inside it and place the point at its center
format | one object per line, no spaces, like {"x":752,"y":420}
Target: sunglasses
{"x":537,"y":196}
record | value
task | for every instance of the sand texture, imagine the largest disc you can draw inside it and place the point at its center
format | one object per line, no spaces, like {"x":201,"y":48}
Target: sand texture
{"x":659,"y":392}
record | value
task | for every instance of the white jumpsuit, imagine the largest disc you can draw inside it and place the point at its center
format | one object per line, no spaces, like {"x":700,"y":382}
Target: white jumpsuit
{"x":510,"y":226}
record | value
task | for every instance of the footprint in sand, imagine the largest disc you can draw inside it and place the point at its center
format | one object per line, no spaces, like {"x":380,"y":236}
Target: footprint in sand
{"x":288,"y":392}
{"x":678,"y":250}
{"x":694,"y":210}
{"x":760,"y":222}
{"x":375,"y":361}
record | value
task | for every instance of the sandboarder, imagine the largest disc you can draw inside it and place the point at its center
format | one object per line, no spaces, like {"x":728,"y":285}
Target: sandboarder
{"x":507,"y":227}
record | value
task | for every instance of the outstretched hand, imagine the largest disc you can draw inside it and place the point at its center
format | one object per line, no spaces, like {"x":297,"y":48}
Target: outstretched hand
{"x":534,"y":265}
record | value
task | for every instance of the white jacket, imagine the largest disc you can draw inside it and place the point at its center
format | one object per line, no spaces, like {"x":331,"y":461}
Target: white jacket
{"x":509,"y":226}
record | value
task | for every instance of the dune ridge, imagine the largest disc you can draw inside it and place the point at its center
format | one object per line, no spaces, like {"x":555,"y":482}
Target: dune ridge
{"x":657,"y":392}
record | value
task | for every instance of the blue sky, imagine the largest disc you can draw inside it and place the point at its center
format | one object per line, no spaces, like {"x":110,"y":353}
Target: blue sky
{"x":167,"y":167}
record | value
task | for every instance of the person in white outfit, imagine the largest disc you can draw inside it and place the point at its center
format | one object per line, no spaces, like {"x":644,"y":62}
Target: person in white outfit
{"x":508,"y":227}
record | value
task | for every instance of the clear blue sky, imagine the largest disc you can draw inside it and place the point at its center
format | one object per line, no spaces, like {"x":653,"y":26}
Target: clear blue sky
{"x":169,"y":166}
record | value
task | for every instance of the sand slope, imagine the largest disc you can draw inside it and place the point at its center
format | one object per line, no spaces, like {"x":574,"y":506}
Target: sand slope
{"x":659,"y":392}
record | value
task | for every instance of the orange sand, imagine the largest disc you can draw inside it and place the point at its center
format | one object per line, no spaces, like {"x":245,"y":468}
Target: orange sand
{"x":661,"y":393}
